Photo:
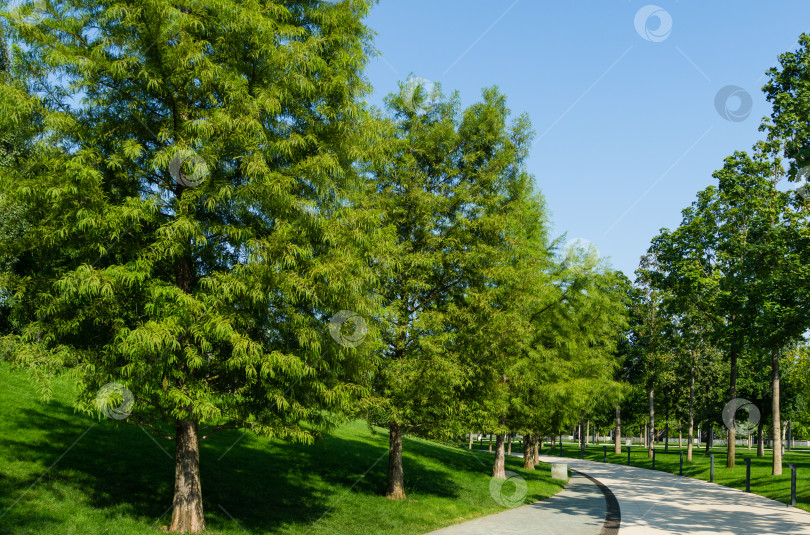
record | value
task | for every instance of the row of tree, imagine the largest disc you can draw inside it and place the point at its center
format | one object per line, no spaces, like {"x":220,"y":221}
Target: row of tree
{"x":194,"y":195}
{"x":723,"y":299}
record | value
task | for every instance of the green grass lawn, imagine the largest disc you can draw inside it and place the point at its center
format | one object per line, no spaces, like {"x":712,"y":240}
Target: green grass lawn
{"x":762,"y":482}
{"x":109,"y":477}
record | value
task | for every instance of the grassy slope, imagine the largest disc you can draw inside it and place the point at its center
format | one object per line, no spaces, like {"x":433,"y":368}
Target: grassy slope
{"x":762,"y":482}
{"x":118,"y":479}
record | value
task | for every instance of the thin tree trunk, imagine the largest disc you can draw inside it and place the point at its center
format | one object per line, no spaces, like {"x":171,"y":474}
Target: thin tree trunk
{"x":760,"y":442}
{"x":777,"y":430}
{"x":490,"y":443}
{"x":749,"y":440}
{"x":510,"y":444}
{"x":471,"y":441}
{"x":732,"y":392}
{"x":588,"y":432}
{"x":581,"y":435}
{"x":644,"y":438}
{"x":691,"y":437}
{"x":617,"y":434}
{"x":536,"y":447}
{"x":498,"y":467}
{"x":666,"y":427}
{"x":680,"y":436}
{"x":528,"y":453}
{"x":396,"y":477}
{"x":651,"y":433}
{"x":187,"y":516}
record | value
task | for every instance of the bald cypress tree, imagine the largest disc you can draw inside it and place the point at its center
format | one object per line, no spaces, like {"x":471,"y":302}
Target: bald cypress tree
{"x":194,"y":226}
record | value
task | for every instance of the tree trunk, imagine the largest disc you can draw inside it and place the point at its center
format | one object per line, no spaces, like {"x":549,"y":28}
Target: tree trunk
{"x":644,"y":438}
{"x":581,"y":435}
{"x":691,"y":437}
{"x":396,"y":477}
{"x":680,"y":436}
{"x":471,"y":441}
{"x":187,"y":516}
{"x":536,"y":448}
{"x":617,"y":434}
{"x":528,"y":453}
{"x":666,"y":427}
{"x":760,"y":442}
{"x":498,"y":467}
{"x":510,"y":444}
{"x":588,"y":432}
{"x":651,"y":433}
{"x":777,"y":430}
{"x":490,"y":443}
{"x":732,"y":433}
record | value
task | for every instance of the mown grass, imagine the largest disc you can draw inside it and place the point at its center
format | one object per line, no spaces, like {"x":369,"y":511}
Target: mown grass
{"x":762,"y":482}
{"x":64,"y":472}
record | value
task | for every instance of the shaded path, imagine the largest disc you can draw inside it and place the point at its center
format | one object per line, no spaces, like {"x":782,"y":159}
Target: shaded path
{"x":579,"y":509}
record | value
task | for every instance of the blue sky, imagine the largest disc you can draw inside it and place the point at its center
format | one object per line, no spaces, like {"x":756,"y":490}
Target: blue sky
{"x":626,"y":122}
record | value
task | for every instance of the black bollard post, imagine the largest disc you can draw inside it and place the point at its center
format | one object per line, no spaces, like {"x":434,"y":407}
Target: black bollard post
{"x":604,"y":454}
{"x":628,"y":455}
{"x":680,"y":473}
{"x":653,"y":466}
{"x":711,"y":469}
{"x":792,"y":484}
{"x":748,"y":474}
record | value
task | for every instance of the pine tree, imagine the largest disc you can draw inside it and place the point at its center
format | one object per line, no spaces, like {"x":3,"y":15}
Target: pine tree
{"x":194,"y":225}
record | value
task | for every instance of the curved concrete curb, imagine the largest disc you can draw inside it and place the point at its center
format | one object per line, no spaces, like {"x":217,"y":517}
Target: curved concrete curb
{"x":613,"y":513}
{"x":656,"y":503}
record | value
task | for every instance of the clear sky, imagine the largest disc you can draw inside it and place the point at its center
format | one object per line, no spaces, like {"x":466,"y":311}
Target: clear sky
{"x":621,"y":95}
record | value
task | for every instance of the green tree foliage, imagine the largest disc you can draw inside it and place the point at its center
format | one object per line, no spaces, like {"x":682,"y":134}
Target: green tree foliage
{"x":739,"y":257}
{"x":194,"y":230}
{"x":453,"y":186}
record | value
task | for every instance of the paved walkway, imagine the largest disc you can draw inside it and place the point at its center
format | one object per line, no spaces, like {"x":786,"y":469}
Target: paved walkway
{"x":650,"y":502}
{"x":654,"y":503}
{"x":579,"y":509}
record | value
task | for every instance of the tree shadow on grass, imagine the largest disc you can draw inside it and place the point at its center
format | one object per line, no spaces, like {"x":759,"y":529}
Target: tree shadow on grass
{"x":265,"y":485}
{"x":300,"y":484}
